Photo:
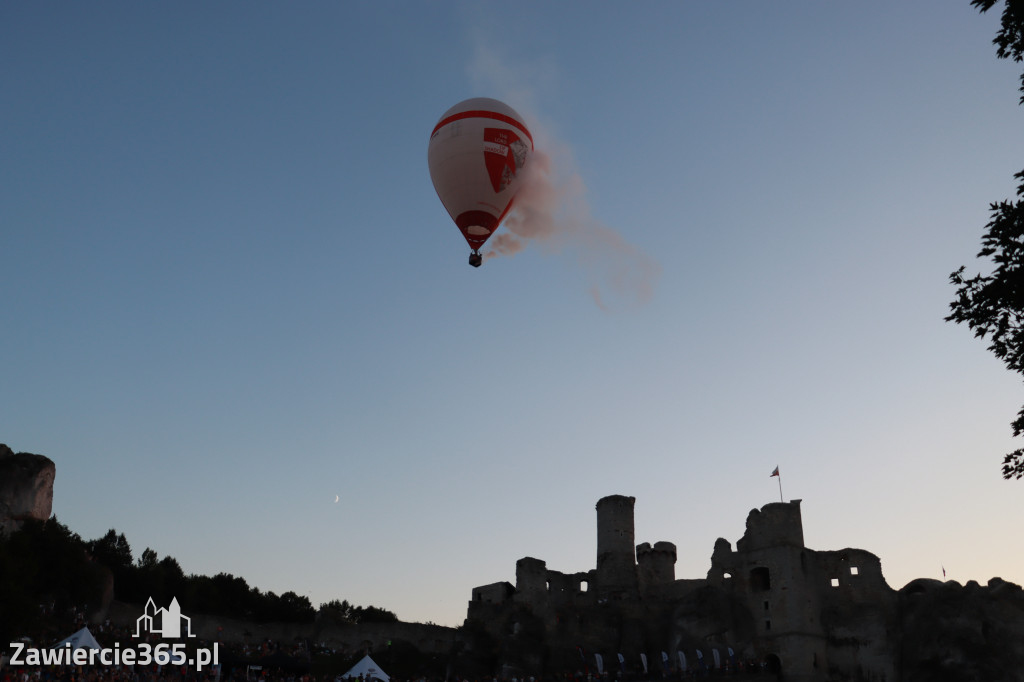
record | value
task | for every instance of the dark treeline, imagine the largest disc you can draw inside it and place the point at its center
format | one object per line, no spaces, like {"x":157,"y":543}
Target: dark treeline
{"x":45,"y":568}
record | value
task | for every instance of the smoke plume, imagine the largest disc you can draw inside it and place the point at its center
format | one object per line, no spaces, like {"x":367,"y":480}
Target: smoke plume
{"x":551,"y":210}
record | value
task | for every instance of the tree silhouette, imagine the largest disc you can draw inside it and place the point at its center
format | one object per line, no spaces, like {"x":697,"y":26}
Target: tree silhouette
{"x":47,"y":571}
{"x":1009,"y":41}
{"x":993,"y":305}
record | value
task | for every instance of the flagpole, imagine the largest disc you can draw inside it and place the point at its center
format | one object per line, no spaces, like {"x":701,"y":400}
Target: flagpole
{"x":776,"y":473}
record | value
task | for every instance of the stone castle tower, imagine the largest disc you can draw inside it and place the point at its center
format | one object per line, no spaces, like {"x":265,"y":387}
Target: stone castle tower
{"x":616,"y":576}
{"x":655,"y":565}
{"x":772,"y":571}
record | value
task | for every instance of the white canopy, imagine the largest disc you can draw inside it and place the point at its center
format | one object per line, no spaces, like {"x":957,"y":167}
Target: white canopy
{"x":82,"y":639}
{"x":369,"y":669}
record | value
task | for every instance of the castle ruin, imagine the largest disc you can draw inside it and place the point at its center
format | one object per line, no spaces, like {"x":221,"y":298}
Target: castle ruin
{"x":769,"y":604}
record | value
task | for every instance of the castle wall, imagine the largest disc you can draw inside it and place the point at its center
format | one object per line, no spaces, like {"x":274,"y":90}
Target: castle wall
{"x":673,"y":591}
{"x":495,"y":593}
{"x":859,"y":612}
{"x":854,"y":574}
{"x":568,"y":588}
{"x":809,"y":615}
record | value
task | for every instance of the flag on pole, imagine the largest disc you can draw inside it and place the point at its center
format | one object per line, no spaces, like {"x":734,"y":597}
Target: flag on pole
{"x":775,"y":474}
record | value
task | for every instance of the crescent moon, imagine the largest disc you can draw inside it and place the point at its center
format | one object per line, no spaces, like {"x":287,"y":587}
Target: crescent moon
{"x":336,"y":498}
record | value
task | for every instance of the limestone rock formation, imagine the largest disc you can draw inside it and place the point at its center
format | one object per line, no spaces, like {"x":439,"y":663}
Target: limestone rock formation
{"x":26,"y":488}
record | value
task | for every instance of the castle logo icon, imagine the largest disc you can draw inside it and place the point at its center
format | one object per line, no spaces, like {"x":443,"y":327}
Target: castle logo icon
{"x":164,"y":622}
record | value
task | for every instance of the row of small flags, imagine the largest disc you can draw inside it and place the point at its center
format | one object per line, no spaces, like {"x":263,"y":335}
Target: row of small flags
{"x":599,"y":660}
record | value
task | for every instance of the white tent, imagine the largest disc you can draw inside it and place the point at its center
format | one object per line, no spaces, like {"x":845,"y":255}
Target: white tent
{"x":369,"y":669}
{"x":82,"y":639}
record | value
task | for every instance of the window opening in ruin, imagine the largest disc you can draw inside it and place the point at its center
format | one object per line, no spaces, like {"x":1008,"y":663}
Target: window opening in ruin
{"x":767,"y":625}
{"x":760,"y":579}
{"x":835,"y":582}
{"x":766,"y":606}
{"x":726,"y":576}
{"x":853,"y":570}
{"x":583,"y":586}
{"x":547,"y":586}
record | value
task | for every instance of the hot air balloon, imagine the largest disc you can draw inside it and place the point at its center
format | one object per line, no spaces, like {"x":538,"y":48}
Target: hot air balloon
{"x":476,"y":156}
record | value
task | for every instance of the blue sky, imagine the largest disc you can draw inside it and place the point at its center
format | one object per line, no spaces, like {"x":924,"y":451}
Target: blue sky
{"x":231,"y":294}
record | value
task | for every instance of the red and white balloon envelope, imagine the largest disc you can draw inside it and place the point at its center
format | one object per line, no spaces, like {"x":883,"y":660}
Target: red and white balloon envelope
{"x":476,"y":155}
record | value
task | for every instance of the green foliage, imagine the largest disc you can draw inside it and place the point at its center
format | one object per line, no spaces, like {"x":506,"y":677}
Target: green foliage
{"x":349,"y":613}
{"x":993,"y":305}
{"x":44,"y":567}
{"x":112,"y":550}
{"x":372,"y":614}
{"x":148,"y":558}
{"x":292,"y":606}
{"x":1009,"y":41}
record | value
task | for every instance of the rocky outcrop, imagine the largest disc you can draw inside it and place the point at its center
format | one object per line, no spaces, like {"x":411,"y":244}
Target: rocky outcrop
{"x":26,"y":488}
{"x":963,"y":633}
